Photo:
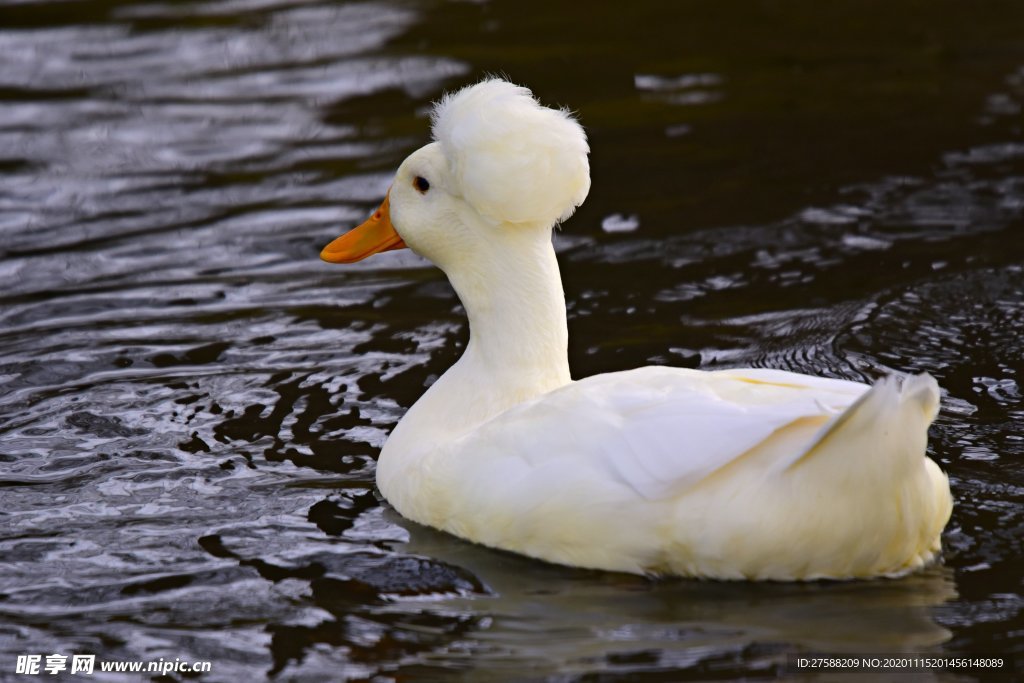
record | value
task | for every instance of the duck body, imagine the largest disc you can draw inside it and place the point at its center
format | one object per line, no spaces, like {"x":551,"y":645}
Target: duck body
{"x":736,"y":474}
{"x":740,"y":474}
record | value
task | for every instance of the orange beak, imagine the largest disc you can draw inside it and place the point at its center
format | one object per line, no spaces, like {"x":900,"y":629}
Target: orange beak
{"x":372,"y":237}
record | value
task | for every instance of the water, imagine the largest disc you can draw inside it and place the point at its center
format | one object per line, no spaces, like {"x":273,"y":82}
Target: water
{"x":192,"y":402}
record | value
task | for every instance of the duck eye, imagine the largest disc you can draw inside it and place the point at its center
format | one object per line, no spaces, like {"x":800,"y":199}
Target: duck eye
{"x":421,"y":184}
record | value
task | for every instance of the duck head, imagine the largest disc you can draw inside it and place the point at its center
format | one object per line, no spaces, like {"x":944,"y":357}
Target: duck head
{"x":502,"y":169}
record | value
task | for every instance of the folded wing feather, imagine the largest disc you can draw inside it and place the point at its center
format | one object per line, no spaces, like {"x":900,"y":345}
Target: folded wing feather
{"x":657,"y":430}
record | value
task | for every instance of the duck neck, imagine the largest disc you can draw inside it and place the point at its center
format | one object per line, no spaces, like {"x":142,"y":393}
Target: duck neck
{"x":518,"y":337}
{"x":518,"y":340}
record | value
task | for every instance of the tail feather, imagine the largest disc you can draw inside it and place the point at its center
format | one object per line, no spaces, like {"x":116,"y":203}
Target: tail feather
{"x":871,"y":465}
{"x":924,"y":391}
{"x":884,"y":402}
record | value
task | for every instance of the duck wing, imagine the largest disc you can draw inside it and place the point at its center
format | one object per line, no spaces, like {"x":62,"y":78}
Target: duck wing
{"x":657,"y":430}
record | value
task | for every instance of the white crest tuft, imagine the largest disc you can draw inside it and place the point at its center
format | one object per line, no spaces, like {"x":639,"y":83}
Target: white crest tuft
{"x":515,"y":160}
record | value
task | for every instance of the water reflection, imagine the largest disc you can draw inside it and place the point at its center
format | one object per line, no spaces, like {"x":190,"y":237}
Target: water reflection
{"x":572,"y":620}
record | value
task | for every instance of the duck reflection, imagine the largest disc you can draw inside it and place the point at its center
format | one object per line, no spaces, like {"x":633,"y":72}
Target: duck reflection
{"x":586,"y":620}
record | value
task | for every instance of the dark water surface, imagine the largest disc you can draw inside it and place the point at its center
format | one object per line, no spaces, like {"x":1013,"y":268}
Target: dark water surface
{"x":192,"y":402}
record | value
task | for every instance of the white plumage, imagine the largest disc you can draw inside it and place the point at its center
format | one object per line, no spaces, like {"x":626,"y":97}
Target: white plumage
{"x":513,"y":160}
{"x":738,"y":474}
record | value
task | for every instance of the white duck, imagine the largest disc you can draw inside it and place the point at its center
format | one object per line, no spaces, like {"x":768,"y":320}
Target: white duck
{"x":735,"y":474}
